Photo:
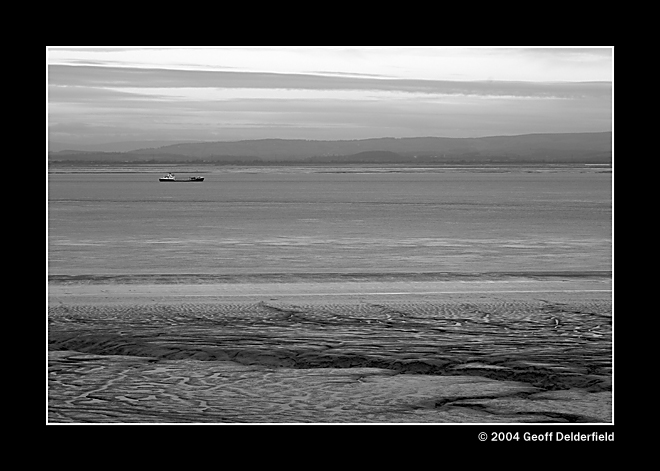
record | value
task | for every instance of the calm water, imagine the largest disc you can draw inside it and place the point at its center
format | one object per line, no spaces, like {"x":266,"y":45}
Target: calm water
{"x":298,"y":220}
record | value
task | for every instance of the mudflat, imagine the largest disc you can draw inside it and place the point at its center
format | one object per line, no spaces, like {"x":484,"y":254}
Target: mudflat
{"x":486,"y":351}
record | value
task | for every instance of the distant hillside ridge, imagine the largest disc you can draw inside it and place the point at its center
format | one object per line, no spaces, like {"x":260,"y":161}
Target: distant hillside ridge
{"x":566,"y":147}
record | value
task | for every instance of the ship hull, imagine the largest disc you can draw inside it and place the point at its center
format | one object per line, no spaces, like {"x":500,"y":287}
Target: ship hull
{"x":192,"y":180}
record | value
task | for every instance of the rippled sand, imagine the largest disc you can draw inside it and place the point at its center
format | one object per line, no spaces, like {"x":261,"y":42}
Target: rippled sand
{"x":408,"y":351}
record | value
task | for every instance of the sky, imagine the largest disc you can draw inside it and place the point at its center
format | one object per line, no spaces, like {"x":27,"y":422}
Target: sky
{"x":118,"y":94}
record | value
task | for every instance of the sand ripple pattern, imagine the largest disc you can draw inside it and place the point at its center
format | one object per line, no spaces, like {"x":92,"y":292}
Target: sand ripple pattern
{"x":495,"y":361}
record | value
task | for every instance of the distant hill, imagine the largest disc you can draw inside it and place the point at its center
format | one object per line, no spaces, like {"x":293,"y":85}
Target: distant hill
{"x":569,"y":147}
{"x":123,"y":146}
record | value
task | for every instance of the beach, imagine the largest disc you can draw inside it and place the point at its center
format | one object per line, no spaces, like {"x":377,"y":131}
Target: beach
{"x":514,"y":350}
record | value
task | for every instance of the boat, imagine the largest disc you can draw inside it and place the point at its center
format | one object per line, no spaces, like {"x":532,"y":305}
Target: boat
{"x":167,"y":178}
{"x":171,"y":178}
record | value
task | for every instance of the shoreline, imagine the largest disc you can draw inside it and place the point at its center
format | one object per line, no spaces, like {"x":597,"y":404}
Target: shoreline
{"x":292,"y":277}
{"x":326,"y":291}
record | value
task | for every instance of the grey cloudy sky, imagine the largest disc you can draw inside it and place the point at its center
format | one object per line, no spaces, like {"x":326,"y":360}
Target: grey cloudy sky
{"x":100,"y":95}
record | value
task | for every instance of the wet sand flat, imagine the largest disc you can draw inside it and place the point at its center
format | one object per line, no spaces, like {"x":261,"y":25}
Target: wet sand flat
{"x":486,"y":351}
{"x":321,"y":287}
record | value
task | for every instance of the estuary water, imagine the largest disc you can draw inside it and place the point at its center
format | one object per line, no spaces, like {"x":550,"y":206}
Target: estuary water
{"x":319,"y":220}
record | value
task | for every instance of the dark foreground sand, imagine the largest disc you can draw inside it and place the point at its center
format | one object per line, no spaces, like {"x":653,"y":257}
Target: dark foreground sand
{"x":488,"y":351}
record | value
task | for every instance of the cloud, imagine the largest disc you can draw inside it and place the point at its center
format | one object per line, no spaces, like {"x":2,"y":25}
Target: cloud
{"x":104,"y":103}
{"x":133,"y":77}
